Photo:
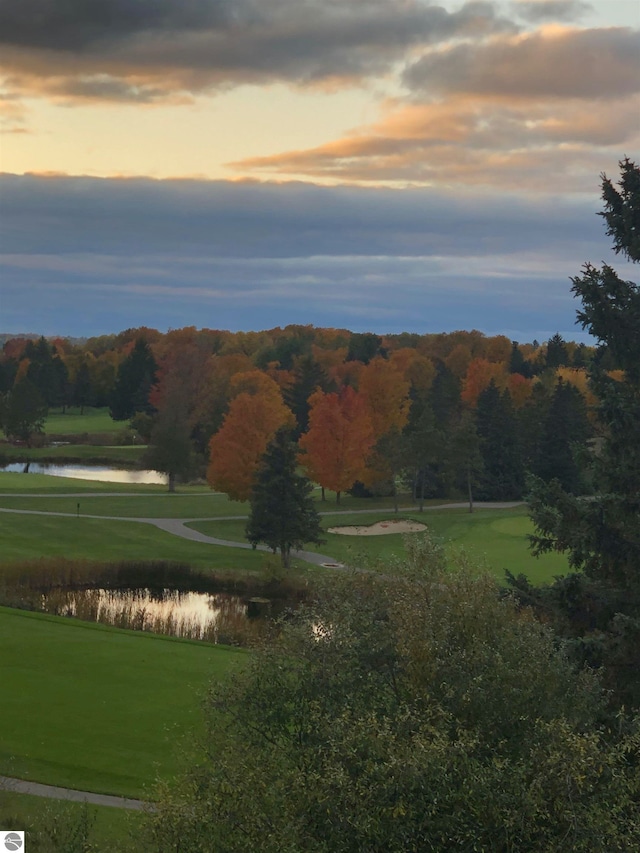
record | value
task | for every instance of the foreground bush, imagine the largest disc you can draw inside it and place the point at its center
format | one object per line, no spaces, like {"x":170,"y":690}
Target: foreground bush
{"x":412,"y":711}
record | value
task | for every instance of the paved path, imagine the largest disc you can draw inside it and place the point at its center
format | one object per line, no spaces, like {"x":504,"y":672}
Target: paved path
{"x":178,"y":526}
{"x":21,"y":786}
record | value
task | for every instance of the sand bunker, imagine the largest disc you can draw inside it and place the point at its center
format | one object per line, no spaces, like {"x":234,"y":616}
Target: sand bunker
{"x":380,"y":528}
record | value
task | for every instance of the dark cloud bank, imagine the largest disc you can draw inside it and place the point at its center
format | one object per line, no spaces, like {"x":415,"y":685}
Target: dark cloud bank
{"x":85,"y":256}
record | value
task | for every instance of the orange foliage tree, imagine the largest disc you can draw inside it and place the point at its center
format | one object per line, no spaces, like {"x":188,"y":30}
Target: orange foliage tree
{"x":520,"y":389}
{"x":236,"y":450}
{"x":478,"y":377}
{"x":338,"y":441}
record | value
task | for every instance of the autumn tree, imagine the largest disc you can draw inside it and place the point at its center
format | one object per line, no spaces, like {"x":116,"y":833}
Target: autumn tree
{"x":236,"y":450}
{"x":480,"y":373}
{"x":340,"y":436}
{"x":283,"y":514}
{"x":386,"y":394}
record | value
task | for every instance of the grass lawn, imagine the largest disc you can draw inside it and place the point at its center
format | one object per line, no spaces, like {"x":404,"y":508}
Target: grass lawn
{"x":110,"y":829}
{"x":25,"y":537}
{"x":108,"y":455}
{"x":498,"y":537}
{"x":153,"y":505}
{"x":95,"y":708}
{"x":73,"y":423}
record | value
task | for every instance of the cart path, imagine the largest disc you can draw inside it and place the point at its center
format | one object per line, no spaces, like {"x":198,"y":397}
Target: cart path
{"x":22,"y":786}
{"x":178,"y":526}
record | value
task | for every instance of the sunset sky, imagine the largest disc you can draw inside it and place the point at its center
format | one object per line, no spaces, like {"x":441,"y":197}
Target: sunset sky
{"x":379,"y":165}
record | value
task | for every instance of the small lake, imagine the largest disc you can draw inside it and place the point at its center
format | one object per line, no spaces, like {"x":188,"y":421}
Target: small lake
{"x":214,"y":617}
{"x":102,"y":473}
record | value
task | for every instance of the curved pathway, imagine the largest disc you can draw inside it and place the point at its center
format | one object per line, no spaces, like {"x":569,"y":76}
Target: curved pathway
{"x":178,"y":526}
{"x":21,"y":786}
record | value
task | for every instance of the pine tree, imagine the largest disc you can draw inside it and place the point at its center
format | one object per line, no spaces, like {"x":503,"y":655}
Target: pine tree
{"x":566,"y":428}
{"x":283,"y":514}
{"x":601,"y":536}
{"x":502,"y":476}
{"x":136,"y":376}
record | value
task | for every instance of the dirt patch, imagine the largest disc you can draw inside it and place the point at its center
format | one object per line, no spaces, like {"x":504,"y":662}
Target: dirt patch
{"x":380,"y":528}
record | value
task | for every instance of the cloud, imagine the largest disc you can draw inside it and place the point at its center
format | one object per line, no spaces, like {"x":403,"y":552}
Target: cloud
{"x":534,"y":146}
{"x":538,"y":11}
{"x":532,"y":111}
{"x":196,"y":45}
{"x":553,"y":63}
{"x":87,"y":256}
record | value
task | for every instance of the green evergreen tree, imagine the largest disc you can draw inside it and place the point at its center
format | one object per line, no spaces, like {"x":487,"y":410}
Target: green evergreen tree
{"x":517,"y":362}
{"x":465,"y":455}
{"x":566,"y":430}
{"x":136,"y":376}
{"x":601,"y":536}
{"x":283,"y":514}
{"x":308,"y":377}
{"x":502,"y":476}
{"x":557,"y":354}
{"x":425,"y":448}
{"x":23,"y":412}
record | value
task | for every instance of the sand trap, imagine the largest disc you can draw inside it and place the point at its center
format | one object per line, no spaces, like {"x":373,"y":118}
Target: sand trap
{"x":380,"y":528}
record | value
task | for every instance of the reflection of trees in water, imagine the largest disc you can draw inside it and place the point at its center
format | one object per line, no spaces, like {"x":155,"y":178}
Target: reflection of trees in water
{"x":216,"y":618}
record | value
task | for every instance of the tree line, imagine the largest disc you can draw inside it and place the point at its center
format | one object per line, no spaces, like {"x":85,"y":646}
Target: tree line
{"x":439,"y":414}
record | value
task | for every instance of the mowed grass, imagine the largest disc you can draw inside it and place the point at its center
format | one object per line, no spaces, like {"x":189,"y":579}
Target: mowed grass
{"x":28,"y":537}
{"x":155,"y":502}
{"x":152,"y":505}
{"x":109,"y":829}
{"x":129,"y":454}
{"x":95,"y":708}
{"x":496,"y":537}
{"x":74,"y":423}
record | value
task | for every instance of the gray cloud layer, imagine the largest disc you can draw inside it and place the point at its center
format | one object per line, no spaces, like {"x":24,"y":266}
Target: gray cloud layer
{"x":85,"y":256}
{"x":579,"y":63}
{"x":538,"y":11}
{"x":193,"y":45}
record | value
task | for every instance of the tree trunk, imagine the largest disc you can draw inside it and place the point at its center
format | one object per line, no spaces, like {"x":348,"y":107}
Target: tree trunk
{"x":395,"y":495}
{"x":337,"y":497}
{"x":470,"y":490}
{"x":172,"y":482}
{"x":422,"y":479}
{"x":284,"y":554}
{"x":323,"y":495}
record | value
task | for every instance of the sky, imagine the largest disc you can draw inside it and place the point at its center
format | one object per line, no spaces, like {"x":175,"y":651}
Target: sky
{"x":378,"y":165}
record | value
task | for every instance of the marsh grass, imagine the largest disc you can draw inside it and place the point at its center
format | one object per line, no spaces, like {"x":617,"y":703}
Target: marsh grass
{"x":110,"y":593}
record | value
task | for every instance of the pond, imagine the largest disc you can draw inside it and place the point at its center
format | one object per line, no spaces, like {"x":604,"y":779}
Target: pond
{"x":214,"y":617}
{"x":102,"y":473}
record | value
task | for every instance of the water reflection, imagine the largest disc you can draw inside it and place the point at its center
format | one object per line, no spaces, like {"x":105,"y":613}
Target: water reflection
{"x":217,"y":618}
{"x":102,"y":473}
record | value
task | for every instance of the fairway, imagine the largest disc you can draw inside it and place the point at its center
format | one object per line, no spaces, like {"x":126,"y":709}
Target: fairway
{"x":26,"y":537}
{"x":74,"y":423}
{"x":496,"y":537}
{"x":97,"y":708}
